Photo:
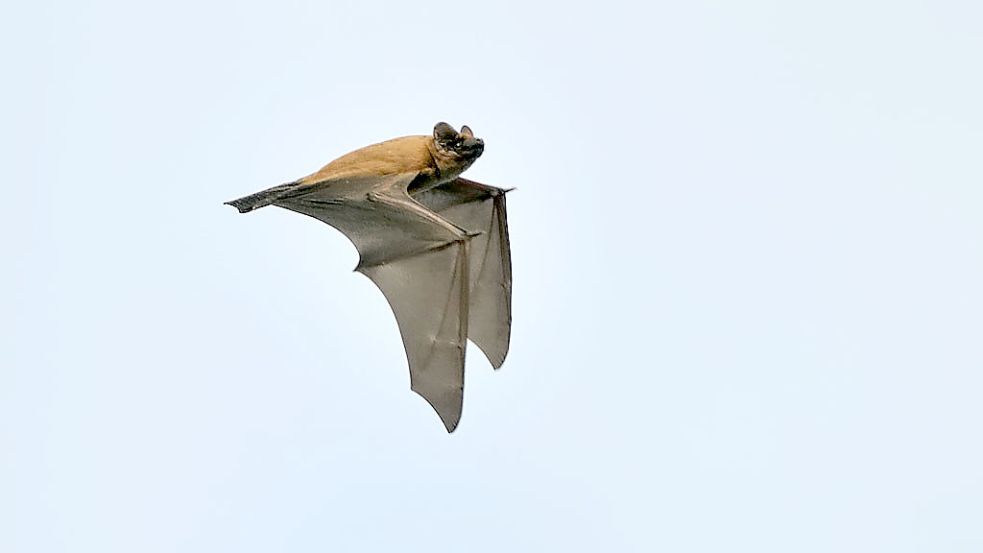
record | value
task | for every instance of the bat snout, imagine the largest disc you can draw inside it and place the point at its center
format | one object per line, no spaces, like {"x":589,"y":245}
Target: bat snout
{"x":474,"y":145}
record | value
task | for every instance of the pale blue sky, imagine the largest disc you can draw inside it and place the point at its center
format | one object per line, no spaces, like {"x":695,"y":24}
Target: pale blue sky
{"x":748,"y":266}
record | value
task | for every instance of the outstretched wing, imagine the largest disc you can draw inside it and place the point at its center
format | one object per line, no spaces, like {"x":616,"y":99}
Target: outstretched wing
{"x":478,"y":207}
{"x":420,"y":262}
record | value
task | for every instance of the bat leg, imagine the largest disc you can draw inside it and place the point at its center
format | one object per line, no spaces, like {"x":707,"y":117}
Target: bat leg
{"x":398,"y":197}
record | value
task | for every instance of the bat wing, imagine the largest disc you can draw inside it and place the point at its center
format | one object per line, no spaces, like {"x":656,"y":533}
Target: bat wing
{"x":420,"y":262}
{"x":478,"y":207}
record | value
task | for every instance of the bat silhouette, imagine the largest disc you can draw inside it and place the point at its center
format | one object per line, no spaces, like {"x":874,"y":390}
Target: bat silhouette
{"x":436,"y":245}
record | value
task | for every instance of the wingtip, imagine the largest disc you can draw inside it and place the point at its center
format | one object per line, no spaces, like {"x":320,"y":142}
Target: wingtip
{"x":496,"y":359}
{"x":451,"y":422}
{"x":495,"y":192}
{"x":495,"y":353}
{"x":450,"y":417}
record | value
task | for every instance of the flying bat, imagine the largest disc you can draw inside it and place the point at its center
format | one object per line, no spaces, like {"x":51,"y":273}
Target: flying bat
{"x":437,"y":245}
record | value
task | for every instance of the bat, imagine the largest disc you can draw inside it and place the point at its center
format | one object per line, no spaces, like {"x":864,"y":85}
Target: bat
{"x":435,"y":244}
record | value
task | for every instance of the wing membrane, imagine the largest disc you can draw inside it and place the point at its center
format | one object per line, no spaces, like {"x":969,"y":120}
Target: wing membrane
{"x":478,"y":207}
{"x":428,"y":294}
{"x":420,"y":262}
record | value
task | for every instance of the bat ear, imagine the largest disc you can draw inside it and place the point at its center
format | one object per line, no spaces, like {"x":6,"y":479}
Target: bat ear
{"x":442,"y":132}
{"x":466,"y":132}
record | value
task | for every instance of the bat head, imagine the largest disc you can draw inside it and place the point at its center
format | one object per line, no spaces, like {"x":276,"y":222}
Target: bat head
{"x":461,"y":147}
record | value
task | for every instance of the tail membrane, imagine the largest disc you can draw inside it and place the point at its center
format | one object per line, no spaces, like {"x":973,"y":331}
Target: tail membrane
{"x":267,"y":197}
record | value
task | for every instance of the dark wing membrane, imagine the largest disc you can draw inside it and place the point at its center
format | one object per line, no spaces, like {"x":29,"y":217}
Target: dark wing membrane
{"x":479,"y":207}
{"x":419,"y":261}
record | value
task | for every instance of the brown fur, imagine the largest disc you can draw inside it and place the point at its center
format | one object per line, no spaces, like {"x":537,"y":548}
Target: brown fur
{"x":420,"y":156}
{"x":409,"y":154}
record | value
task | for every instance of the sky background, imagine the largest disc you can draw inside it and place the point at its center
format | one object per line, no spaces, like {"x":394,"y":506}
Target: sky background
{"x":748,"y":260}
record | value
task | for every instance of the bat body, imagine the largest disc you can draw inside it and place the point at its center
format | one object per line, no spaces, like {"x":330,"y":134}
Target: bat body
{"x":437,"y":246}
